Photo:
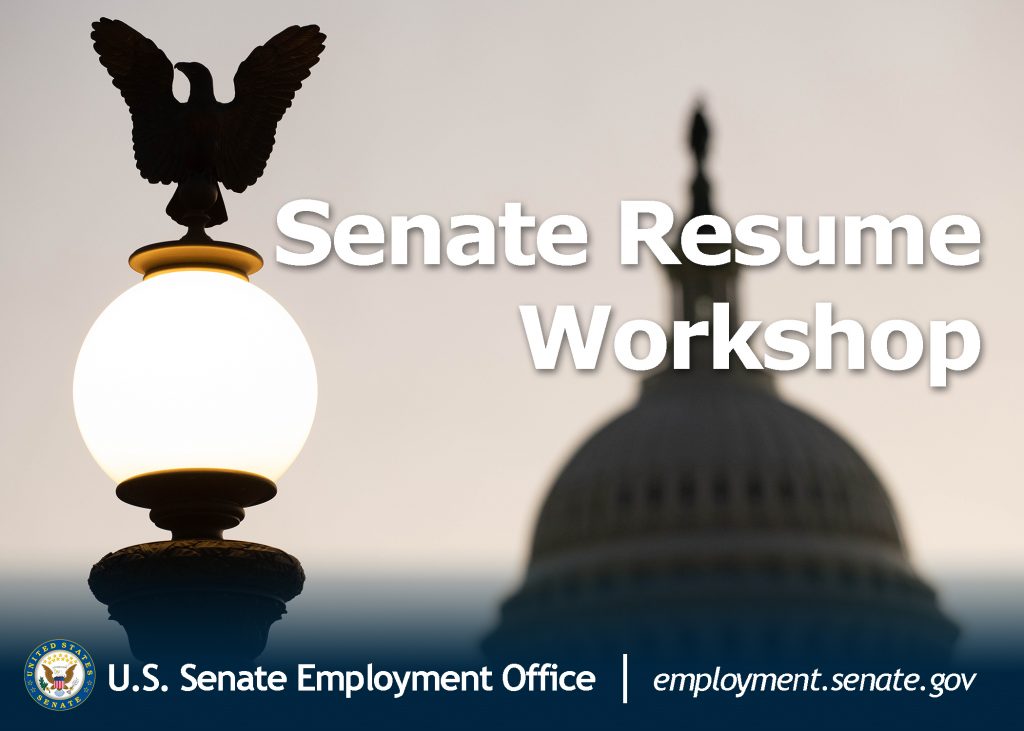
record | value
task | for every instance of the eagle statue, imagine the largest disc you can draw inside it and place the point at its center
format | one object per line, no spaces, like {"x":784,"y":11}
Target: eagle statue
{"x":201,"y":143}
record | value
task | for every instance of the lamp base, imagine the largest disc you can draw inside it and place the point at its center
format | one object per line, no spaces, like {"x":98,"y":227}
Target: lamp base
{"x":197,"y":600}
{"x":196,"y":503}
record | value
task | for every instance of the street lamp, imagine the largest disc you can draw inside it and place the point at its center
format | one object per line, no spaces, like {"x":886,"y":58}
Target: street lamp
{"x":195,"y":390}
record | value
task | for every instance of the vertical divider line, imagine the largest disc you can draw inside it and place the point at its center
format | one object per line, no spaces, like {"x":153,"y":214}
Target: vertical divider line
{"x":625,"y":678}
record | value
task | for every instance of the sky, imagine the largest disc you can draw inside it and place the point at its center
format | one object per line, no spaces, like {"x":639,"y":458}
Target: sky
{"x":435,"y":439}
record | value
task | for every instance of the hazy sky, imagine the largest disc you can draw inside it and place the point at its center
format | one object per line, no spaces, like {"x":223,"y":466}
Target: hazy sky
{"x":435,"y":439}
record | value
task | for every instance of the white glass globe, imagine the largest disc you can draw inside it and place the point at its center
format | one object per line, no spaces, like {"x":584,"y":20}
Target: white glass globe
{"x":195,"y":369}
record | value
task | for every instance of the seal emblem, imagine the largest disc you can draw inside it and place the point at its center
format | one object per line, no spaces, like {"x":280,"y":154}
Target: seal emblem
{"x":59,"y":675}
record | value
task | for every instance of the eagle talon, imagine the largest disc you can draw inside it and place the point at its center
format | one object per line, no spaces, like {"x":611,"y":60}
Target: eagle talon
{"x":196,"y":234}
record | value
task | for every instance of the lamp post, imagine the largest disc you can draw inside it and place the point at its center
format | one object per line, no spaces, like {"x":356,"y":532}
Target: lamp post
{"x":195,"y":390}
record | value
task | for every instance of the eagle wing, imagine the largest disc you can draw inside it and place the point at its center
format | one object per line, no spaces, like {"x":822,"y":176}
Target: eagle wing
{"x":69,"y":673}
{"x":144,"y":76}
{"x":265,"y":85}
{"x":49,"y":674}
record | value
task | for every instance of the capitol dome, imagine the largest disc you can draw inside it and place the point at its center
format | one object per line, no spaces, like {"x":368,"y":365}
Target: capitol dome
{"x":702,"y":455}
{"x":713,"y":515}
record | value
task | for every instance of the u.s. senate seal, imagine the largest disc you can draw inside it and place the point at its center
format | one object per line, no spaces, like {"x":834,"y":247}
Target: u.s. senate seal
{"x":59,"y":675}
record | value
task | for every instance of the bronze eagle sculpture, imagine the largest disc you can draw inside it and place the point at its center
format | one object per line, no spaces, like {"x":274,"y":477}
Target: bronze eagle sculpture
{"x":201,"y":143}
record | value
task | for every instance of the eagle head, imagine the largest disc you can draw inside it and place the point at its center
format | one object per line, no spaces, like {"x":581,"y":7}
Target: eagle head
{"x":200,"y":80}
